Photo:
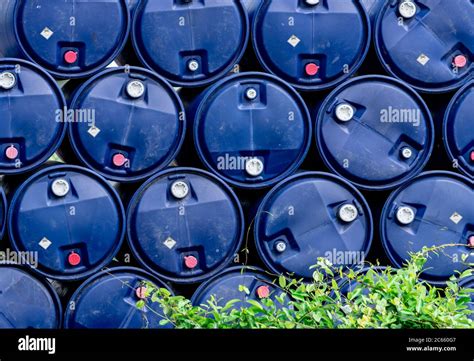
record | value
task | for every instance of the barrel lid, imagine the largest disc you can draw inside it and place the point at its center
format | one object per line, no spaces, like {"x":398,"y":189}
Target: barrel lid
{"x":185,"y":225}
{"x":458,"y":129}
{"x":312,"y":215}
{"x":129,"y":123}
{"x":375,"y":131}
{"x":226,"y":286}
{"x":109,"y":300}
{"x":308,"y":44}
{"x":433,"y":209}
{"x":252,"y":130}
{"x":427,"y":43}
{"x":70,"y":218}
{"x":27,"y":302}
{"x":177,"y":40}
{"x":68,"y":38}
{"x":30,"y":104}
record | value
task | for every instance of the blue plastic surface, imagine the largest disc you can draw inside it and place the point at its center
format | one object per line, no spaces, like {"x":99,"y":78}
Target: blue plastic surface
{"x":225,"y":287}
{"x":109,"y":300}
{"x":459,"y":129}
{"x":231,"y":130}
{"x":32,"y":123}
{"x":74,"y":235}
{"x":421,"y":50}
{"x":302,"y":212}
{"x":27,"y":302}
{"x":444,"y":215}
{"x":469,"y":283}
{"x":206,"y":225}
{"x":332,"y":38}
{"x":389,"y":117}
{"x":170,"y":35}
{"x":44,"y":31}
{"x":147,"y":132}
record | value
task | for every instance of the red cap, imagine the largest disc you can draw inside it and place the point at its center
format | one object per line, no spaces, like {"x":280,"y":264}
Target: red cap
{"x":140,"y":292}
{"x":74,"y":259}
{"x":263,"y":291}
{"x":11,"y":152}
{"x":472,"y":156}
{"x":470,"y":241}
{"x":460,"y":61}
{"x":190,"y":262}
{"x":119,"y":160}
{"x":70,"y":57}
{"x":311,"y":69}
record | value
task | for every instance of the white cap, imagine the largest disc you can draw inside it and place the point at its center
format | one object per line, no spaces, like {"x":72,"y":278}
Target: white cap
{"x":193,"y":65}
{"x":7,"y":80}
{"x":135,"y":89}
{"x":407,"y":9}
{"x":348,"y":213}
{"x":312,"y":2}
{"x":407,"y":153}
{"x":179,"y":189}
{"x":60,"y":187}
{"x":251,"y":94}
{"x":254,"y":167}
{"x":344,"y":112}
{"x":280,"y":246}
{"x":405,"y":215}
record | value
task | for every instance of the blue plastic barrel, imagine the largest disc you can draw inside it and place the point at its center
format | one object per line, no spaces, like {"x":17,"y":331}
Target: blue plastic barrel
{"x":185,"y":225}
{"x":427,"y":43}
{"x":458,"y":130}
{"x":433,"y":209}
{"x":27,"y":302}
{"x":129,"y":123}
{"x":191,"y":43}
{"x":312,"y":215}
{"x":375,"y":131}
{"x":70,"y":39}
{"x":109,"y":300}
{"x":70,"y":218}
{"x":32,"y":107}
{"x":373,"y":8}
{"x":226,"y":286}
{"x":313,"y":45}
{"x":252,"y":130}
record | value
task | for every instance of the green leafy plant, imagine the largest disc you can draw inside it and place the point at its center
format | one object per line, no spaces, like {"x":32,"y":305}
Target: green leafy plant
{"x":387,"y":298}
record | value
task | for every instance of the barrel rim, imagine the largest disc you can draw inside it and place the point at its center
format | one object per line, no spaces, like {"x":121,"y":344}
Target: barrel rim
{"x":202,"y":82}
{"x":290,"y":92}
{"x":137,"y":196}
{"x":78,"y":94}
{"x":88,"y":173}
{"x":410,"y":92}
{"x":318,"y":175}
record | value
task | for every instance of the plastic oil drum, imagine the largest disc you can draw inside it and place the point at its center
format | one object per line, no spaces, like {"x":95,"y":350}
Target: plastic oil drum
{"x":427,"y":43}
{"x":373,"y":8}
{"x":252,"y":130}
{"x":185,"y":225}
{"x":70,"y":39}
{"x":129,"y":123}
{"x":312,"y":215}
{"x":70,"y":217}
{"x":375,"y":132}
{"x":27,"y":302}
{"x":458,"y":131}
{"x":32,"y":107}
{"x":432,"y":210}
{"x":226,"y":286}
{"x":190,"y":42}
{"x":110,"y":299}
{"x":307,"y":42}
